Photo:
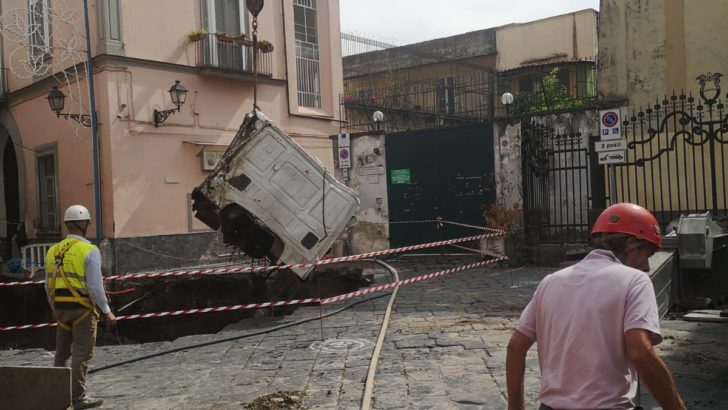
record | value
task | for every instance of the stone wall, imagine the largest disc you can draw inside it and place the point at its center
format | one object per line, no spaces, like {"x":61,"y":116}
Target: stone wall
{"x":150,"y":253}
{"x":459,"y":47}
{"x":651,"y":48}
{"x":368,"y":177}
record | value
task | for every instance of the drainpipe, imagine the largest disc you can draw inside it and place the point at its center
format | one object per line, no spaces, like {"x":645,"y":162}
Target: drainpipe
{"x":285,"y":56}
{"x":94,"y":131}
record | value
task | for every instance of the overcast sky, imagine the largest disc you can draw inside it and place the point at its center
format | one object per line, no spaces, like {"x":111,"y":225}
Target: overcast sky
{"x":410,"y":21}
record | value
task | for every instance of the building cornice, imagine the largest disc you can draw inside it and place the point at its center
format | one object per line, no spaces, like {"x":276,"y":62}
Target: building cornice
{"x":105,"y":62}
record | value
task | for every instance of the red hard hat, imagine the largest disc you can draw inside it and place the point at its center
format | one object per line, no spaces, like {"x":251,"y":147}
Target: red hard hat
{"x":629,"y":219}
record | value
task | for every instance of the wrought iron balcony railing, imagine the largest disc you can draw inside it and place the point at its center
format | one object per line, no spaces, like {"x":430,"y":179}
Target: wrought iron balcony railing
{"x":231,"y":55}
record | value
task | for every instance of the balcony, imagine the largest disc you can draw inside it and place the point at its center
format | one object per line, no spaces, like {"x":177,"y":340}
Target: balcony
{"x":231,"y":58}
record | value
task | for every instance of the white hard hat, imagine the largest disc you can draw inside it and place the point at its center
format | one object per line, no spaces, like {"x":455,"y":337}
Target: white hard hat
{"x":76,"y":213}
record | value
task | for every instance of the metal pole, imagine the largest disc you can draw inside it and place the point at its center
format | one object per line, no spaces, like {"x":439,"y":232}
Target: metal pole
{"x":255,"y":63}
{"x":612,"y":184}
{"x":94,"y":133}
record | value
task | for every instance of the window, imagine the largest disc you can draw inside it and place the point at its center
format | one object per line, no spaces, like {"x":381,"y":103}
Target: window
{"x":47,"y":192}
{"x":38,"y":29}
{"x":225,"y":16}
{"x":307,"y":53}
{"x":109,"y":29}
{"x":525,"y":84}
{"x":585,"y":84}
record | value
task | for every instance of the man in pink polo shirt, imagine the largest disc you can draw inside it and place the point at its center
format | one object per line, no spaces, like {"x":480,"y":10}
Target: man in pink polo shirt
{"x":596,"y":322}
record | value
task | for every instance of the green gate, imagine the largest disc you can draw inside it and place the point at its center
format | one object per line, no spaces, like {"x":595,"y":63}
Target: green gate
{"x":445,"y":173}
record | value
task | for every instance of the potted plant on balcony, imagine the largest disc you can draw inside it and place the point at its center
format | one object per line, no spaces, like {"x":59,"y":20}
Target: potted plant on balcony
{"x":196,"y":35}
{"x":265,"y":46}
{"x":224,"y":37}
{"x":243,"y":40}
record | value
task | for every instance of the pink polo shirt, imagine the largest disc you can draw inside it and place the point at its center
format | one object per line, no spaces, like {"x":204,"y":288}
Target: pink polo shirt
{"x":578,"y":317}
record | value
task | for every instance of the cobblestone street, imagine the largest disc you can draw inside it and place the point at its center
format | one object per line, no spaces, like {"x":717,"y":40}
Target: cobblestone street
{"x":444,"y":349}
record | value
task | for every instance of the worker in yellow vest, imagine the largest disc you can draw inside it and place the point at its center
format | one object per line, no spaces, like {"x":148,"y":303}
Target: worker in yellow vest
{"x":76,"y":294}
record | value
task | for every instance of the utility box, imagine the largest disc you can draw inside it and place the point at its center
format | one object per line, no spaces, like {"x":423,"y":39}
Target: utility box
{"x":273,"y":200}
{"x":696,"y":237}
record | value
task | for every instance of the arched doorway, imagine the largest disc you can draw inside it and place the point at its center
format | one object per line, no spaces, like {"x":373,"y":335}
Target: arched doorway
{"x":12,"y":182}
{"x":10,"y":207}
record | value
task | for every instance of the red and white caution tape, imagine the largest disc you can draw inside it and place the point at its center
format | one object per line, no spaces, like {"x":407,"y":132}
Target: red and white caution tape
{"x":478,"y":251}
{"x":221,"y":271}
{"x":485,"y":228}
{"x":286,"y":302}
{"x":410,"y":281}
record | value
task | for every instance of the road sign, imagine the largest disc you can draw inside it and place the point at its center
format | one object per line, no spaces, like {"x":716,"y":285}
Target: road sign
{"x":610,"y":125}
{"x":615,"y":145}
{"x":344,"y":140}
{"x":612,"y":157}
{"x":344,"y":158}
{"x":505,"y":145}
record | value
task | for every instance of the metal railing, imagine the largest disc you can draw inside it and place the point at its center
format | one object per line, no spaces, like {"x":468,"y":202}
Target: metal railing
{"x":677,"y":155}
{"x":234,"y":56}
{"x":33,"y":257}
{"x":432,"y":103}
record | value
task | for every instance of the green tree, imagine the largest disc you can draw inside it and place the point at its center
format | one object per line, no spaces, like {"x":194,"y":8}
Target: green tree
{"x":553,"y":96}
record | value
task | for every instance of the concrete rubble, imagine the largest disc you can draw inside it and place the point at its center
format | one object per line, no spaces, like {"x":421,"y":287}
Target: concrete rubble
{"x":444,"y":349}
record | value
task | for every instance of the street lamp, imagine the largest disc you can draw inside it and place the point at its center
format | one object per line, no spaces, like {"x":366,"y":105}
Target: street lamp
{"x":507,"y":100}
{"x":378,"y":117}
{"x":254,"y":7}
{"x":178,"y":93}
{"x":57,"y":100}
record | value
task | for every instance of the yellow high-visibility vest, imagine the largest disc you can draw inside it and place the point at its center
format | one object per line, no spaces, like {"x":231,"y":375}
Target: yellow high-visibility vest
{"x":66,"y":267}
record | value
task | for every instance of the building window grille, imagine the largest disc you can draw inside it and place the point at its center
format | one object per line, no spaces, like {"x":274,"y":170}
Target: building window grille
{"x":307,"y":53}
{"x":39,"y":29}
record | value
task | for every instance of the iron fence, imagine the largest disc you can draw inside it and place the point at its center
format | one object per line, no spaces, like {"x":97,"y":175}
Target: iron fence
{"x":676,"y":155}
{"x":556,"y":185}
{"x":235,"y":55}
{"x":434,"y":103}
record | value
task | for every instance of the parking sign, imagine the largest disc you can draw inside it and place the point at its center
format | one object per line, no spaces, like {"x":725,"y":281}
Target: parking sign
{"x":610,"y":125}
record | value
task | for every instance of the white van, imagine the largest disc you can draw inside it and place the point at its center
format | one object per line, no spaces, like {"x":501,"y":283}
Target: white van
{"x":272,"y":199}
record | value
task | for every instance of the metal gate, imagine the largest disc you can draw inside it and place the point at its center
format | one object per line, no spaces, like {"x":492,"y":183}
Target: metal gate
{"x":556,"y":185}
{"x":676,"y":155}
{"x":446,"y":173}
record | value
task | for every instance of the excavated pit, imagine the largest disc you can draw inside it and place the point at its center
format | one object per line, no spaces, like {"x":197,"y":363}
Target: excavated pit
{"x":27,"y":304}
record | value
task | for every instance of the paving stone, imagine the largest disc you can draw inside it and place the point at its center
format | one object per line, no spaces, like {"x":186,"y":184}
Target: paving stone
{"x":446,"y":341}
{"x":414,"y":341}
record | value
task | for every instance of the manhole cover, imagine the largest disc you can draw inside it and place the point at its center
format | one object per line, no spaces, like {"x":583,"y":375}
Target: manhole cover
{"x":340,"y":345}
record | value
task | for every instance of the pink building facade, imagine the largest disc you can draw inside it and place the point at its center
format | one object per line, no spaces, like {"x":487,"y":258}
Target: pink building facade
{"x":148,"y":170}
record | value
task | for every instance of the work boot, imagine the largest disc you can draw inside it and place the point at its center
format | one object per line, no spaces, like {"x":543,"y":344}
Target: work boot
{"x":86,"y":403}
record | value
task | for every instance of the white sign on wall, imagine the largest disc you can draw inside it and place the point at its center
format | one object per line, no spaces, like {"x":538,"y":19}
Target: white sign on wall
{"x":610,"y":125}
{"x":505,"y":145}
{"x":344,"y":151}
{"x":344,"y":157}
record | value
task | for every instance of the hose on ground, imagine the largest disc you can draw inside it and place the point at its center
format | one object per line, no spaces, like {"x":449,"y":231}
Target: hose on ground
{"x":247,"y":335}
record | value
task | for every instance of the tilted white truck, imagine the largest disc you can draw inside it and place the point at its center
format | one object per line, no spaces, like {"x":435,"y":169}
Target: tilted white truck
{"x":272,"y":199}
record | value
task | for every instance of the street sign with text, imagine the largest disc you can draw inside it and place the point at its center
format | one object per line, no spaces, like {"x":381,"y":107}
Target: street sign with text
{"x":614,"y":145}
{"x":612,"y":157}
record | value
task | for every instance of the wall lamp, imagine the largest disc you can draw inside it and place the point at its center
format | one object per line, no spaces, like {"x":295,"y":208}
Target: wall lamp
{"x":57,"y":100}
{"x":178,"y":92}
